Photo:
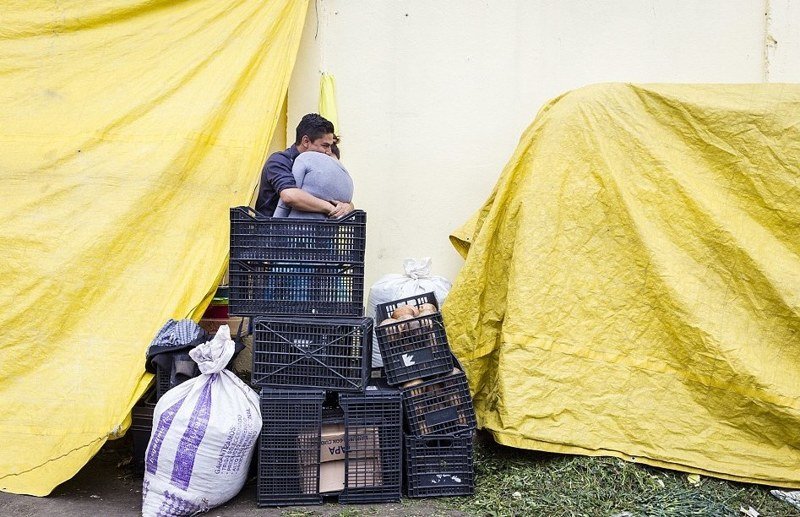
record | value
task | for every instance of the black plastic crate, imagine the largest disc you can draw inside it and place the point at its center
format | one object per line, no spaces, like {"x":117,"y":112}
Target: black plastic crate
{"x":257,"y":237}
{"x":415,"y":348}
{"x":439,"y":406}
{"x":439,"y":465}
{"x":289,"y":450}
{"x":187,"y":369}
{"x":295,"y":288}
{"x":142,"y":426}
{"x":373,"y":443}
{"x":163,"y":383}
{"x":331,"y":354}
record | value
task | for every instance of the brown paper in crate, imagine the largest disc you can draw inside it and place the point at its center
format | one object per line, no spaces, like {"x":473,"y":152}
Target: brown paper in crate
{"x":237,"y":324}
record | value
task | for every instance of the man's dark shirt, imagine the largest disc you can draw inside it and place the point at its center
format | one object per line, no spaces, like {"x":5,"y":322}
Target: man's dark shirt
{"x":276,"y":176}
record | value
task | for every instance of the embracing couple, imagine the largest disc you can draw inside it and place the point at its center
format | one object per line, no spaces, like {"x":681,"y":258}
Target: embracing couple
{"x":307,"y":180}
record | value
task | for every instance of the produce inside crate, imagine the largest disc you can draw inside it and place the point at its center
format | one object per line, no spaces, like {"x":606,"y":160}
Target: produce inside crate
{"x":439,"y":406}
{"x":331,"y":354}
{"x":411,"y":336}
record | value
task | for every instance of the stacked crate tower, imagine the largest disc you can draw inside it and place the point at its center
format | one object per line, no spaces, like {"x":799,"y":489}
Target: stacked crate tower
{"x":329,"y":429}
{"x":439,"y":416}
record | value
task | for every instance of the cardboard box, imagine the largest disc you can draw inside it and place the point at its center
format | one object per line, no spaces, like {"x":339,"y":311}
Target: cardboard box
{"x":365,"y":442}
{"x":363,"y":459}
{"x":332,"y":444}
{"x":331,"y":476}
{"x":364,"y":473}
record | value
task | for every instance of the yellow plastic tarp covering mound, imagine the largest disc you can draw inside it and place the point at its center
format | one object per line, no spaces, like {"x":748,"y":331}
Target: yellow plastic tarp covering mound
{"x":127,"y":130}
{"x":632,"y":285}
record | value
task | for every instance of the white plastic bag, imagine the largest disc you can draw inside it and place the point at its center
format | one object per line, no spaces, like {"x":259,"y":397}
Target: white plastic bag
{"x":416,"y":280}
{"x":204,"y":434}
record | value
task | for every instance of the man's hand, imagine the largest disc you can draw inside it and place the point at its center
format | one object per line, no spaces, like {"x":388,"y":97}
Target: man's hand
{"x":301,"y":200}
{"x":305,"y":202}
{"x":340,"y":209}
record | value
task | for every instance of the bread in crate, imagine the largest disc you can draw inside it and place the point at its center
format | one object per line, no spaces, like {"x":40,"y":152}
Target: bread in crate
{"x":412,"y":339}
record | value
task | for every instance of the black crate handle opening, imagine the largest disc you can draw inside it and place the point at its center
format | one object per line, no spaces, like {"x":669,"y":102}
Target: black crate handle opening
{"x":436,"y":443}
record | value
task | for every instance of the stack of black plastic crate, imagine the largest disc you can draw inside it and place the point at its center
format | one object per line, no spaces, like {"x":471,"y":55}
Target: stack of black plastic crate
{"x":439,"y":416}
{"x":328,"y":428}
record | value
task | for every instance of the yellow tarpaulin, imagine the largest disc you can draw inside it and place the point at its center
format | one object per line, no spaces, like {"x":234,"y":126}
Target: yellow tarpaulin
{"x":128,"y":129}
{"x":327,"y":100}
{"x":632,"y":285}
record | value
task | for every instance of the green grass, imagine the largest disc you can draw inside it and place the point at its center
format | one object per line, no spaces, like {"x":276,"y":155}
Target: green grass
{"x":525,"y":483}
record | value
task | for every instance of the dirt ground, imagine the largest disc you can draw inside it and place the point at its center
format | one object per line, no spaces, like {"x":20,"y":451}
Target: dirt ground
{"x":109,"y":485}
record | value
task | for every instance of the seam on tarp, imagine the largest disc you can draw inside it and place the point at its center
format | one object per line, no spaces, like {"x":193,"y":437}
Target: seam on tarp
{"x":52,"y":459}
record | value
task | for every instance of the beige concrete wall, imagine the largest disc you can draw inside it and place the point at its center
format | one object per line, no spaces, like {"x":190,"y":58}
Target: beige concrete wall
{"x":782,"y":41}
{"x":433,"y":95}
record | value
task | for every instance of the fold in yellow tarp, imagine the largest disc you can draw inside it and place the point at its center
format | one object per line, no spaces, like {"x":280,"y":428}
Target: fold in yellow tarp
{"x":327,"y":99}
{"x":632,"y":285}
{"x":128,"y":128}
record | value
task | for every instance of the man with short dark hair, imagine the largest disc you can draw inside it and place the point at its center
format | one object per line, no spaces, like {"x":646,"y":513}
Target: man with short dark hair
{"x":314,"y":133}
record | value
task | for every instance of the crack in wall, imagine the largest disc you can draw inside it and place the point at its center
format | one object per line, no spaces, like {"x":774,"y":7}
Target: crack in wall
{"x":770,"y":43}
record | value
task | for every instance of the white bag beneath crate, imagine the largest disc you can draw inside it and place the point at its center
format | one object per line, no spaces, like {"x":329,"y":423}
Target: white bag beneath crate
{"x":416,"y":280}
{"x":203,"y":437}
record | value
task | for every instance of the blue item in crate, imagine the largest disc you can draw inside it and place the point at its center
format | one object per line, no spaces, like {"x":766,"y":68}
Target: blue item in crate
{"x":289,"y":283}
{"x":304,"y":289}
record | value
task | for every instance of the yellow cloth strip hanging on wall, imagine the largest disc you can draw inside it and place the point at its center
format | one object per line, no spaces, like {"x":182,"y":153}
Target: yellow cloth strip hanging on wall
{"x":327,"y":100}
{"x":128,"y":129}
{"x":632,"y":285}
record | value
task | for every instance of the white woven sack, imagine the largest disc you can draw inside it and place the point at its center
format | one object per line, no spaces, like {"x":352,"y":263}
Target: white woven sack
{"x":203,"y":437}
{"x":417,"y":279}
